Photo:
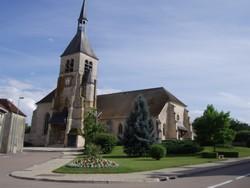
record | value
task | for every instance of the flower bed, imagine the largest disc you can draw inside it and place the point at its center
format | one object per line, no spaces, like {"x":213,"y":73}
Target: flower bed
{"x":92,"y":163}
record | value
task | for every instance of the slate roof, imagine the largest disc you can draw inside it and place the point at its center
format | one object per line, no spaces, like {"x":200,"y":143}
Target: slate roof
{"x":78,"y":44}
{"x":48,"y":98}
{"x":121,"y":104}
{"x":80,"y":41}
{"x":83,"y":14}
{"x":10,"y":107}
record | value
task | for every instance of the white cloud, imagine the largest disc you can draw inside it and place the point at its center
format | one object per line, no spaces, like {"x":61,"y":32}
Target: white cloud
{"x":234,"y":100}
{"x":13,"y":89}
{"x":50,"y":39}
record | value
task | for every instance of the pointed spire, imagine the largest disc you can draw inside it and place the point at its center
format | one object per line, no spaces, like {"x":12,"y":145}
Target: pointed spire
{"x":80,"y":42}
{"x":83,"y":15}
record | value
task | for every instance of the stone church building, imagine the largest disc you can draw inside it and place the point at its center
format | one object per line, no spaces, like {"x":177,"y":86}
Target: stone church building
{"x":170,"y":115}
{"x":60,"y":114}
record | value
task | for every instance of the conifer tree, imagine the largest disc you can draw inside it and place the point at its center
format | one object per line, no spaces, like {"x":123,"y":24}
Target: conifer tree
{"x":139,"y":131}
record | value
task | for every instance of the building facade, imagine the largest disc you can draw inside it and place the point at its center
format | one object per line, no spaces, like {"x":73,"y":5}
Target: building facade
{"x":59,"y":117}
{"x":56,"y":122}
{"x":170,"y":115}
{"x":12,"y":127}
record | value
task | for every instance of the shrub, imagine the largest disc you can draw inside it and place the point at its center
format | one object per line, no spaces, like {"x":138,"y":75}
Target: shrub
{"x":209,"y":155}
{"x":242,"y":136}
{"x":229,"y":154}
{"x":92,"y":151}
{"x":106,"y":142}
{"x":248,"y":143}
{"x":157,"y":152}
{"x":181,"y":147}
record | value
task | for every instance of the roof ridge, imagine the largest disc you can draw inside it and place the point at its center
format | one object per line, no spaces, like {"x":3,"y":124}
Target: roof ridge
{"x":169,"y":93}
{"x":132,"y":91}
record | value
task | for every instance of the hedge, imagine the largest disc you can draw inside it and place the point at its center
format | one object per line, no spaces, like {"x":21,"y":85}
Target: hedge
{"x":209,"y":155}
{"x":242,"y":136}
{"x":228,"y":154}
{"x":181,"y":147}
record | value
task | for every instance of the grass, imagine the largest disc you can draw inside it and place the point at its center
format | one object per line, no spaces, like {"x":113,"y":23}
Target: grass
{"x":128,"y":165}
{"x":243,"y":151}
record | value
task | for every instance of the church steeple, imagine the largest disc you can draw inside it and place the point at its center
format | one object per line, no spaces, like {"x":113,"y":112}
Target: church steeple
{"x":82,"y":21}
{"x":80,"y":42}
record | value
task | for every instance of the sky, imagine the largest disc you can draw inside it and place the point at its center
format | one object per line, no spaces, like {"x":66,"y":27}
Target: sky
{"x":199,"y":50}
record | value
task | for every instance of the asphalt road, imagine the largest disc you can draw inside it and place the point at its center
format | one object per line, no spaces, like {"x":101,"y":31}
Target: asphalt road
{"x":231,"y":177}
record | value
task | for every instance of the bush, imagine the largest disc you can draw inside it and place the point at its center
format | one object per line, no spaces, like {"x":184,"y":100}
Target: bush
{"x":92,"y":151}
{"x":242,"y":136}
{"x":229,"y":154}
{"x":181,"y":147}
{"x":157,"y":152}
{"x":248,"y":143}
{"x":210,"y":155}
{"x":106,"y":142}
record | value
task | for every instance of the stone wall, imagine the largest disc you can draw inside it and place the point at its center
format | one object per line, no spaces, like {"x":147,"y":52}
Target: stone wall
{"x":12,"y":133}
{"x":188,"y":125}
{"x":112,"y":125}
{"x":1,"y":127}
{"x":37,"y":136}
{"x":171,"y":122}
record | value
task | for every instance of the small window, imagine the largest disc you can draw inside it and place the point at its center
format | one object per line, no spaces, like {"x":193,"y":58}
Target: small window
{"x":178,"y":117}
{"x":69,"y":66}
{"x":88,"y":66}
{"x":120,"y":130}
{"x":72,"y":65}
{"x":164,"y":129}
{"x":67,"y":82}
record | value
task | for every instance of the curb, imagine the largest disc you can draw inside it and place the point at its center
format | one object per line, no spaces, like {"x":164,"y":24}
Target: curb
{"x":52,"y":151}
{"x":153,"y":180}
{"x":212,"y":168}
{"x":156,"y":179}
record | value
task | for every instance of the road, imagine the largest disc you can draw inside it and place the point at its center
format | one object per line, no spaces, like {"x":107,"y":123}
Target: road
{"x":230,"y":177}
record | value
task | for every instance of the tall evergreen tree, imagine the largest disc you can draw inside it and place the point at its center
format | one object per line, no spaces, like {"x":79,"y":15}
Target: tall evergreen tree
{"x":139,"y":132}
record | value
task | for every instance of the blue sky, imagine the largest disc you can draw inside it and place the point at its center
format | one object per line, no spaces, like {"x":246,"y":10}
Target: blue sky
{"x":197,"y":49}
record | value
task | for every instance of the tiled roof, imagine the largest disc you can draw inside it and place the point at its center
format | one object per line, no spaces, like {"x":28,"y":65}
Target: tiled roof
{"x":48,"y":98}
{"x":10,"y":107}
{"x":121,"y":104}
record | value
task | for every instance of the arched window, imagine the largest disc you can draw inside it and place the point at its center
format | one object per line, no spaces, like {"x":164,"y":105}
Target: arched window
{"x":69,"y":66}
{"x":178,"y":117}
{"x":120,"y":129}
{"x":109,"y":124}
{"x":46,"y":124}
{"x":88,"y":66}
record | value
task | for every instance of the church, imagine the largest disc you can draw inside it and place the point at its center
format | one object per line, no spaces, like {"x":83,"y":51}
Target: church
{"x":61,"y":113}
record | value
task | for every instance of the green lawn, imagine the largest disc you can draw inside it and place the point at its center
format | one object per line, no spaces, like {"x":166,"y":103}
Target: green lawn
{"x":128,"y":165}
{"x":243,"y":151}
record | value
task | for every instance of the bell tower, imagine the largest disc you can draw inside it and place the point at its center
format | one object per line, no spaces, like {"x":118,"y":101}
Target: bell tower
{"x":76,"y":88}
